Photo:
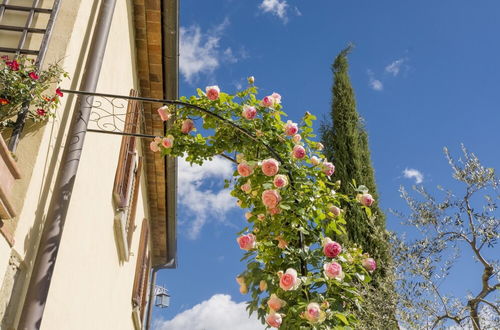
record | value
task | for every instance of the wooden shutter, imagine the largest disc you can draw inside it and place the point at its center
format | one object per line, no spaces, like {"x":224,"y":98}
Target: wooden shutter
{"x":142,"y":268}
{"x":126,"y":161}
{"x":133,"y":203}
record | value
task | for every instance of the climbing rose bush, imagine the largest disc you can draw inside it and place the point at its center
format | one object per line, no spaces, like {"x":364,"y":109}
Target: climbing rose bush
{"x":296,"y":275}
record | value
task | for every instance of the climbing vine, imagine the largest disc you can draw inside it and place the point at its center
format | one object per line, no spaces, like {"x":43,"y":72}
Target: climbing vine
{"x":296,"y":275}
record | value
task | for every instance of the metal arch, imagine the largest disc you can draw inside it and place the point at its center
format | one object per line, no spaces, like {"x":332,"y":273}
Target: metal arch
{"x":112,"y":97}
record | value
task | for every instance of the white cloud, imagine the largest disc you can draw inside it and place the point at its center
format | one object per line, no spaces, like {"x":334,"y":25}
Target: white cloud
{"x":395,"y":67}
{"x":375,"y":84}
{"x":200,"y":51}
{"x":275,"y":7}
{"x":411,"y":173}
{"x":203,"y":204}
{"x":217,"y":313}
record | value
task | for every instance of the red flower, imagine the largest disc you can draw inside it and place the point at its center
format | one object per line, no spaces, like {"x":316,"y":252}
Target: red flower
{"x":5,"y":57}
{"x":13,"y":65}
{"x":4,"y":101}
{"x":33,"y":75}
{"x":41,"y":112}
{"x":58,"y":92}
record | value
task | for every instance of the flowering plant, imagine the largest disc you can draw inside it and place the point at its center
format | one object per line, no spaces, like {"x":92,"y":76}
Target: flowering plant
{"x":297,"y":275}
{"x":22,"y":83}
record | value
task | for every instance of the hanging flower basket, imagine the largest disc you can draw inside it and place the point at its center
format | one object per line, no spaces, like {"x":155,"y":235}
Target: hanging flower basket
{"x":22,"y":84}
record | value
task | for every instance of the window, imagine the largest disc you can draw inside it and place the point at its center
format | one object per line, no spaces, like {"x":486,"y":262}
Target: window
{"x":141,"y":280}
{"x":127,"y":181}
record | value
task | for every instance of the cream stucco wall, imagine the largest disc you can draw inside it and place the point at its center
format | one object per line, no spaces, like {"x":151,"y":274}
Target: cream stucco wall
{"x":91,"y":288}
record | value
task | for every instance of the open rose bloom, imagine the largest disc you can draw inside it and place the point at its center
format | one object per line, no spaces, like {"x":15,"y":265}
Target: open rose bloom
{"x":366,"y":199}
{"x":331,"y":249}
{"x":270,"y":167}
{"x":280,"y":181}
{"x":289,"y":280}
{"x":249,"y":112}
{"x":212,"y":92}
{"x":164,"y":113}
{"x":274,"y":320}
{"x":313,"y":313}
{"x":369,"y":264}
{"x":333,"y":270}
{"x":244,"y":169}
{"x":298,"y":152}
{"x":187,"y":126}
{"x":168,"y":141}
{"x":246,"y":242}
{"x":271,"y":198}
{"x":291,"y":128}
{"x":328,"y":168}
{"x":267,"y":102}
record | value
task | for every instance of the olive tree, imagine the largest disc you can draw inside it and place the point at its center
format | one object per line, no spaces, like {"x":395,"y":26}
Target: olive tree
{"x":458,"y":225}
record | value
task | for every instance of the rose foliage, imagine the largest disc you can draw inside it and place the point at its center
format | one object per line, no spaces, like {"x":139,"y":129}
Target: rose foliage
{"x":296,"y":275}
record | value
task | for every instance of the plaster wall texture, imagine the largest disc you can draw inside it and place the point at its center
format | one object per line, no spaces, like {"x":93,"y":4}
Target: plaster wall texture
{"x":91,"y":288}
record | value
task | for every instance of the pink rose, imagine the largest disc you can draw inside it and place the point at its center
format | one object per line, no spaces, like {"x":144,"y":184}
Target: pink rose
{"x":333,"y":270}
{"x":267,"y":102}
{"x":270,"y":167}
{"x":289,"y":280}
{"x":331,"y":249}
{"x":154,"y":146}
{"x":276,"y":97}
{"x":168,"y":141}
{"x":298,"y":152}
{"x":274,"y":320}
{"x":262,"y":285}
{"x":244,"y":169}
{"x":246,"y":187}
{"x":280,"y":181}
{"x":313,"y":312}
{"x":369,"y":264}
{"x":246,"y":242}
{"x":164,"y":113}
{"x":271,"y":198}
{"x":297,"y":138}
{"x":274,"y":210}
{"x":366,"y":200}
{"x":212,"y":92}
{"x":335,"y":210}
{"x":187,"y":126}
{"x":275,"y":303}
{"x":249,"y":112}
{"x":328,"y":168}
{"x":291,"y":128}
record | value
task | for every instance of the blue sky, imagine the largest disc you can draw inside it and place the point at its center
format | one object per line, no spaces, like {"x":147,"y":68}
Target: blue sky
{"x":426,"y":75}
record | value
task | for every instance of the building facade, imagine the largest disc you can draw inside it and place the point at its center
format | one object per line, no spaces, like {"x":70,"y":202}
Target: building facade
{"x":90,"y":265}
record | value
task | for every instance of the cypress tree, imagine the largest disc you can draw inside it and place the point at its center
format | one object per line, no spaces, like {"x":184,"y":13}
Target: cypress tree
{"x":346,"y":143}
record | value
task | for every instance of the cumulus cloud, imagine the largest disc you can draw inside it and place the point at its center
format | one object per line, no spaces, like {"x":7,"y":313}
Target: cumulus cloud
{"x":200,"y":52}
{"x":217,"y":313}
{"x":276,"y":7}
{"x":374,"y":84}
{"x":201,"y":202}
{"x":395,"y":67}
{"x":411,"y":173}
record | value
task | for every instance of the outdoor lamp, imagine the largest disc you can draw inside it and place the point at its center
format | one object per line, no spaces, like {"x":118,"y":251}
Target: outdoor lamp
{"x":162,"y":298}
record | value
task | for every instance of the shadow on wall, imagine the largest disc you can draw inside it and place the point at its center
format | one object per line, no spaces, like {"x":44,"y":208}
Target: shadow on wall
{"x":19,"y":278}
